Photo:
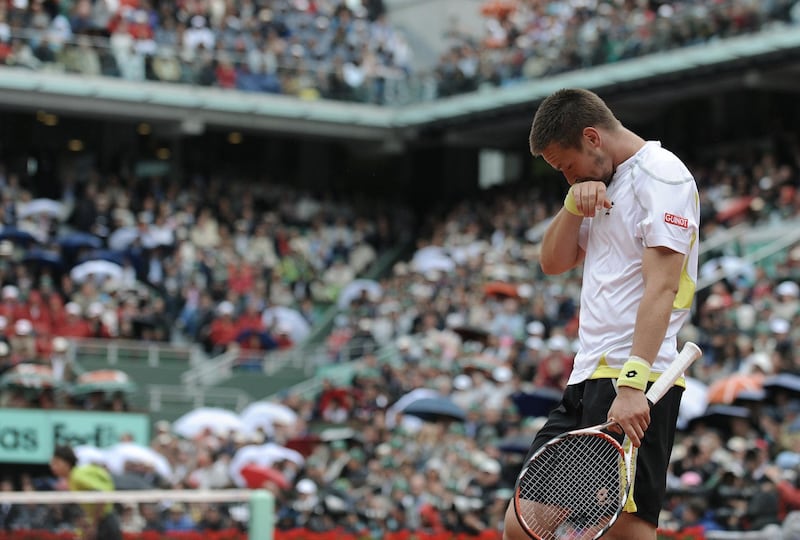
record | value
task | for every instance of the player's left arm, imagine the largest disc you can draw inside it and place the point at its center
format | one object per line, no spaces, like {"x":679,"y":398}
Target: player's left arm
{"x":661,"y":271}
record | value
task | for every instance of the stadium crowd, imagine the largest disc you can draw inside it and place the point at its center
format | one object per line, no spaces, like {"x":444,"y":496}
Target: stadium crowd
{"x":249,"y":268}
{"x":348,"y":49}
{"x":526,"y":40}
{"x":470,"y":322}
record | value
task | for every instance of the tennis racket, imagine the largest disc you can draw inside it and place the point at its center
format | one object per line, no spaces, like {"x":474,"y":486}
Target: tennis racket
{"x":576,"y":485}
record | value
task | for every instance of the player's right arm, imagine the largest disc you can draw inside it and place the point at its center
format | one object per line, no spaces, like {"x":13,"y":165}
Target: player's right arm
{"x":560,"y":250}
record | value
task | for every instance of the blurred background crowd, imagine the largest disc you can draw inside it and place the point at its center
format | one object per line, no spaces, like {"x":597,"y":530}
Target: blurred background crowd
{"x":437,"y":371}
{"x":455,"y":354}
{"x":350,"y":50}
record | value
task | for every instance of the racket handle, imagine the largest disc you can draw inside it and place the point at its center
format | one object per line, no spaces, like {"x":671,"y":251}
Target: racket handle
{"x":688,"y":354}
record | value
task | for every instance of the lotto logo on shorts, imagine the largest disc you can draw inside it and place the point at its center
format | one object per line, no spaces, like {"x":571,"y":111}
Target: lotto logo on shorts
{"x":678,"y":221}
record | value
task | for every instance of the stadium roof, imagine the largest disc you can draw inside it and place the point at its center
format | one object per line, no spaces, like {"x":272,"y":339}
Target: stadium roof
{"x":755,"y":60}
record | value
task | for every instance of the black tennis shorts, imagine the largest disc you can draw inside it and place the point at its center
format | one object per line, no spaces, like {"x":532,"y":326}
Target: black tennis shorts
{"x":587,"y":403}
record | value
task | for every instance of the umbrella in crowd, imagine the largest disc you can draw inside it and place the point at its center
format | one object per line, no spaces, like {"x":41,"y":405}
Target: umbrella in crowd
{"x":693,"y":403}
{"x":500,"y":289}
{"x":98,"y":268}
{"x":430,"y":259}
{"x":122,"y":238}
{"x":537,"y":402}
{"x":435,"y":409}
{"x":469,"y":332}
{"x":516,"y":444}
{"x":102,"y":380}
{"x":262,"y":455}
{"x":255,"y":476}
{"x":88,"y":454}
{"x":721,"y":417}
{"x":735,"y":268}
{"x":42,"y":207}
{"x":281,"y":317}
{"x":214,"y":419}
{"x":18,"y":236}
{"x":786,"y":384}
{"x":356,"y":288}
{"x":110,"y":255}
{"x":120,"y":454}
{"x":30,"y":376}
{"x":43,"y":258}
{"x":265,"y":414}
{"x":726,"y":390}
{"x":405,"y":400}
{"x":734,"y":207}
{"x":79,"y":239}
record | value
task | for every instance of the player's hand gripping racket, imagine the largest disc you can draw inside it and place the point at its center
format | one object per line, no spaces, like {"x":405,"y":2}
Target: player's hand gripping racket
{"x":576,"y":485}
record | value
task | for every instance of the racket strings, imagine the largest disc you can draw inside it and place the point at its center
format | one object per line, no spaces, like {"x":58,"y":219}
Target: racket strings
{"x":573,"y":489}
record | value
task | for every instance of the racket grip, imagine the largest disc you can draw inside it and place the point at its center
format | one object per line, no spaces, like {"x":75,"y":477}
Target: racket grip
{"x":666,"y":380}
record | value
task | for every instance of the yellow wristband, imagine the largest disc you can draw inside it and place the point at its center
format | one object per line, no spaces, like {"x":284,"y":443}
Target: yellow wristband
{"x":635,"y":373}
{"x":570,"y":205}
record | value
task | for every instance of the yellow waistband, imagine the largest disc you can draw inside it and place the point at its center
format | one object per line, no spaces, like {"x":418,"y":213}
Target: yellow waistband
{"x":607,"y":372}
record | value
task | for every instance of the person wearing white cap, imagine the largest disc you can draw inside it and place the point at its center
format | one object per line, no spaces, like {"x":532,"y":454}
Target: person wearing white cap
{"x":631,"y":219}
{"x":788,"y":304}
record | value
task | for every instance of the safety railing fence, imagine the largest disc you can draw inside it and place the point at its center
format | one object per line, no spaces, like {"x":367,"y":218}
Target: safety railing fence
{"x":160,"y":396}
{"x":152,"y":354}
{"x":260,"y":504}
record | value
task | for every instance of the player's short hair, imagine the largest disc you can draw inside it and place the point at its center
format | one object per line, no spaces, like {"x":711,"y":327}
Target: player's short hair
{"x":67,"y":454}
{"x":563,"y":115}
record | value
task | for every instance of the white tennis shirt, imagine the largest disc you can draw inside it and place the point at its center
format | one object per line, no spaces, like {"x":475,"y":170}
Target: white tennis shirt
{"x":656,"y":204}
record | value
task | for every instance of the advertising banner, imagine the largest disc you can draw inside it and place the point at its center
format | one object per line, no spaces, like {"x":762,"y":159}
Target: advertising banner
{"x":29,"y":436}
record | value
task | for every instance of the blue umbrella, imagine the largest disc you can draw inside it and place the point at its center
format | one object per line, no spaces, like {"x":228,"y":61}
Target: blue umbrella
{"x":434,"y":409}
{"x":783,"y":382}
{"x":44,"y":258}
{"x":109,"y":255}
{"x":538,"y":402}
{"x":16,"y":235}
{"x":515,"y":444}
{"x":80,"y":239}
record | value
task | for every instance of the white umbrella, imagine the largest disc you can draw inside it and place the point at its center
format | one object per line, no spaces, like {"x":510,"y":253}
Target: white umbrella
{"x":86,"y":454}
{"x":219,"y":421}
{"x":294,"y":322}
{"x":265,"y":414}
{"x":729,"y":267}
{"x":261,"y":454}
{"x":123,"y":237}
{"x":693,"y":403}
{"x":99,"y":268}
{"x":355,"y":288}
{"x":120,"y":454}
{"x":42,"y":207}
{"x":432,"y":258}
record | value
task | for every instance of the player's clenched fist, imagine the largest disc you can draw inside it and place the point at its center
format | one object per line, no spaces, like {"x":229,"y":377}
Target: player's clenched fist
{"x":586,"y":198}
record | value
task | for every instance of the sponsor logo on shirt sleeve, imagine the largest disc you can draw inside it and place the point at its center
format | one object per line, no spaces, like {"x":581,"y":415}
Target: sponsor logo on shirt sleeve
{"x":678,"y":221}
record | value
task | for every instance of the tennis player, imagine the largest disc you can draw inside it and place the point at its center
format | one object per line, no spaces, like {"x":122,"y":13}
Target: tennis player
{"x":631,"y":217}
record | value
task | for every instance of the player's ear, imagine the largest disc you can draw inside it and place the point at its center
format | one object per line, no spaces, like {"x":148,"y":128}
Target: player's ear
{"x":591,"y":136}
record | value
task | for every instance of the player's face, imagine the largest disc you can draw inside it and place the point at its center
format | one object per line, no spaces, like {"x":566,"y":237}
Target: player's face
{"x":589,"y":163}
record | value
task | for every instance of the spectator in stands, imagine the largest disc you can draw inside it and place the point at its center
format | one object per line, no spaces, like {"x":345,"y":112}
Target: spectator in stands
{"x":99,"y":521}
{"x":178,"y":519}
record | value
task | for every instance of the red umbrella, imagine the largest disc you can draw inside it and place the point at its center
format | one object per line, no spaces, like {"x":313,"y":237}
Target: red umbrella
{"x":734,"y":208}
{"x":725,"y":390}
{"x":256,"y":475}
{"x":501,"y":289}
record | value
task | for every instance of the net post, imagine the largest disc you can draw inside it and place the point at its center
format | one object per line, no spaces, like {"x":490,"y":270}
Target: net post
{"x":262,"y":513}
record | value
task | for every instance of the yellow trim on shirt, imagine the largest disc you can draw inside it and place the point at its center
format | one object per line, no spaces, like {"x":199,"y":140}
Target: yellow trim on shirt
{"x":686,"y":287}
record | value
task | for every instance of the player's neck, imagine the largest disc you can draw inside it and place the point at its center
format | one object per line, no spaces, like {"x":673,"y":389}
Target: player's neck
{"x":625,"y":144}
